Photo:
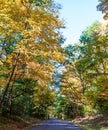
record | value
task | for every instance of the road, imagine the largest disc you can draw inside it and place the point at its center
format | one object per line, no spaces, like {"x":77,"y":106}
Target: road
{"x":54,"y":124}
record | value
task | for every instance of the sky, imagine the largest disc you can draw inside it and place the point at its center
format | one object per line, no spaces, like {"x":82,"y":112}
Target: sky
{"x":78,"y":15}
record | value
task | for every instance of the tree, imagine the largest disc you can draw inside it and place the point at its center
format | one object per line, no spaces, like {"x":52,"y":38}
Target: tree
{"x":85,"y":76}
{"x":103,"y":6}
{"x":43,"y":99}
{"x":30,"y":41}
{"x":93,"y":65}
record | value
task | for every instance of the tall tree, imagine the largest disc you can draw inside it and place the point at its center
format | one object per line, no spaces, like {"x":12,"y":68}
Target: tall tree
{"x":30,"y":40}
{"x":88,"y":68}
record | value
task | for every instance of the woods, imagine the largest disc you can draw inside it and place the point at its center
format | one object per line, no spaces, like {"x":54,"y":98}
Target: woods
{"x":30,"y":43}
{"x":86,"y":77}
{"x":39,"y":77}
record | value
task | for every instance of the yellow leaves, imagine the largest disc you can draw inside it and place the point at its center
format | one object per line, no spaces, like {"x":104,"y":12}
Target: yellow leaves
{"x":30,"y":38}
{"x":103,"y":96}
{"x":1,"y":63}
{"x":41,"y":82}
{"x":44,"y":96}
{"x":33,"y":65}
{"x":21,"y":3}
{"x":33,"y":33}
{"x":103,"y":28}
{"x":71,"y":85}
{"x":45,"y":73}
{"x":42,"y":73}
{"x":21,"y":6}
{"x":57,"y":56}
{"x":2,"y":83}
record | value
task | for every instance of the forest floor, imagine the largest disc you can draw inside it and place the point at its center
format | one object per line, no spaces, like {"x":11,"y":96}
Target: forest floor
{"x":17,"y":123}
{"x":92,"y":123}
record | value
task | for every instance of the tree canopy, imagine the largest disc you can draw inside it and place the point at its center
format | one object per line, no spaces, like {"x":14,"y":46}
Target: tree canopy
{"x":37,"y":76}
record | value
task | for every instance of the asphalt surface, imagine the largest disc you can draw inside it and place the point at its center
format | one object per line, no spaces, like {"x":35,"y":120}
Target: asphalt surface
{"x":54,"y":124}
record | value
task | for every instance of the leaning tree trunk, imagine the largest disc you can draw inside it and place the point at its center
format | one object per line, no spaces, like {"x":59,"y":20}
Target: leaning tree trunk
{"x":9,"y":81}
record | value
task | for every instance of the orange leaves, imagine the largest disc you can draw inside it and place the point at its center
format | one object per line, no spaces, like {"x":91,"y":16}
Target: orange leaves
{"x":41,"y":72}
{"x":33,"y":65}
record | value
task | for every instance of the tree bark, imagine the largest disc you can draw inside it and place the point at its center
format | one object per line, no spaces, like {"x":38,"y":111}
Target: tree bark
{"x":9,"y":81}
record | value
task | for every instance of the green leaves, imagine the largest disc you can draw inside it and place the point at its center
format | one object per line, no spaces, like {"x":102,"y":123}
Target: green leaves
{"x":40,"y":2}
{"x":89,"y":67}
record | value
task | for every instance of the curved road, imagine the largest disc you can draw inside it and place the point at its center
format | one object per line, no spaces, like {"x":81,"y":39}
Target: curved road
{"x":54,"y":124}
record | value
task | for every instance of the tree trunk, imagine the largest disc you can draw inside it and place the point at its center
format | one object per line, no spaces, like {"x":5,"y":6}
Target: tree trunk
{"x":10,"y":79}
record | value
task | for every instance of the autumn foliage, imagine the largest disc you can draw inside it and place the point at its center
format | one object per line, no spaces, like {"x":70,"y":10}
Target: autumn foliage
{"x":30,"y":40}
{"x":40,"y":78}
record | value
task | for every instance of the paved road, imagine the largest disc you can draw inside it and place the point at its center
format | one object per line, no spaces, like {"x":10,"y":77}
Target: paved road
{"x":54,"y":124}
